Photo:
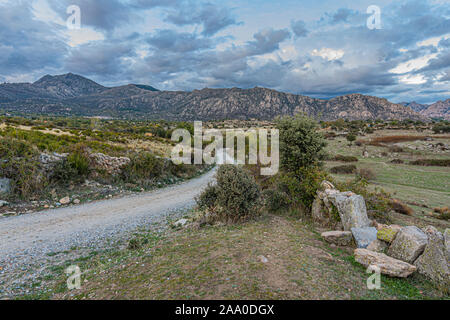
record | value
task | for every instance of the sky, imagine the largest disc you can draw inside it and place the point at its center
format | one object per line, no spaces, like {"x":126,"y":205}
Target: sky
{"x":321,"y":48}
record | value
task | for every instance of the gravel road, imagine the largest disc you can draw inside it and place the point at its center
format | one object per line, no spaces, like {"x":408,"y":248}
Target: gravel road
{"x":27,"y":239}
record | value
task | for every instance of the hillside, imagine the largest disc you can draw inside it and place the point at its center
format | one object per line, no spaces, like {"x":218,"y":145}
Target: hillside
{"x":75,"y":95}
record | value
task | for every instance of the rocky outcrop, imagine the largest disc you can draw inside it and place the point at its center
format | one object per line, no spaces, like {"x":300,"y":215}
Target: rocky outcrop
{"x":68,"y":94}
{"x":364,"y":236}
{"x":111,"y":165}
{"x":352,"y":209}
{"x":343,"y":210}
{"x":340,"y":238}
{"x":48,"y":161}
{"x":387,"y":265}
{"x":434,"y":262}
{"x":409,"y":244}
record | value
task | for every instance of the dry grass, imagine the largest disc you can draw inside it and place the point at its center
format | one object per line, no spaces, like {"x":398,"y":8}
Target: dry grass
{"x":402,"y":208}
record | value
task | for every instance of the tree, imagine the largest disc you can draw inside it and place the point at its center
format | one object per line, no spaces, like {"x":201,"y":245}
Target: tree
{"x":301,"y":143}
{"x":351,"y":137}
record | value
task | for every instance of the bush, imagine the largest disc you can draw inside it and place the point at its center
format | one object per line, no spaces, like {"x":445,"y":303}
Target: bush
{"x":400,"y":207}
{"x":397,"y":161}
{"x":19,"y":163}
{"x":377,"y":202}
{"x":366,"y":173}
{"x":142,"y":169}
{"x":351,"y":137}
{"x":395,"y":149}
{"x":345,"y":169}
{"x":301,"y":144}
{"x":431,"y":162}
{"x":234,"y":198}
{"x":441,"y":128}
{"x":345,"y":158}
{"x":295,"y":189}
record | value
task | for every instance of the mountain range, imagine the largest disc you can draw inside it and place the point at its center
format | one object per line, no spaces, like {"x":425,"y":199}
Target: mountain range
{"x":437,"y":110}
{"x":71,"y":94}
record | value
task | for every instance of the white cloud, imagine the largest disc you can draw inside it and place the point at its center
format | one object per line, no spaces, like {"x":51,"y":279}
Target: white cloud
{"x":328,"y":54}
{"x":414,"y":64}
{"x":433,"y":41}
{"x":83,"y":35}
{"x":412,"y":79}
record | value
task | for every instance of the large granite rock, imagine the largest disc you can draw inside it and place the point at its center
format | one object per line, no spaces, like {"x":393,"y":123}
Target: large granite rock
{"x":340,"y":238}
{"x":322,"y":210}
{"x":352,"y":209}
{"x":388,"y":233}
{"x":409,"y":244}
{"x":434,"y":262}
{"x":364,"y":236}
{"x":5,"y":186}
{"x":447,"y":244}
{"x":377,"y":246}
{"x":388,"y":266}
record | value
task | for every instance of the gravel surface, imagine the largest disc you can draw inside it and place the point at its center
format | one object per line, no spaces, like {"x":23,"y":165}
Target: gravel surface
{"x":27,"y":240}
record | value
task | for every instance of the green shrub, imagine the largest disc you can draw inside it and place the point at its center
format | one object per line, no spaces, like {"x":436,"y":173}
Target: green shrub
{"x":142,"y":169}
{"x":441,"y":128}
{"x":431,"y":162}
{"x":345,"y":169}
{"x":297,"y":189}
{"x":301,"y":144}
{"x":18,"y":162}
{"x":378,"y":202}
{"x":275,"y":200}
{"x":351,"y":137}
{"x":342,"y":158}
{"x":235,"y":197}
{"x":366,"y":173}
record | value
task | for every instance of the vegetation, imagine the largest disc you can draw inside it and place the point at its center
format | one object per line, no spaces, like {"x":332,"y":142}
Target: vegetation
{"x":235,"y":197}
{"x":301,"y":144}
{"x":345,"y":169}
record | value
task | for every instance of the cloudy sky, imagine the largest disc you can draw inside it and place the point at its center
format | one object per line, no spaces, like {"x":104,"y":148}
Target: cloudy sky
{"x":321,"y":48}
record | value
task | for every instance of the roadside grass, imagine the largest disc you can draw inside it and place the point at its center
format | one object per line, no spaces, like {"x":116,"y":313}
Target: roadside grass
{"x":224,"y":262}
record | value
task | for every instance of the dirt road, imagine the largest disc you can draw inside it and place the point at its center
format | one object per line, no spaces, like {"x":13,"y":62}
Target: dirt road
{"x":25,"y":240}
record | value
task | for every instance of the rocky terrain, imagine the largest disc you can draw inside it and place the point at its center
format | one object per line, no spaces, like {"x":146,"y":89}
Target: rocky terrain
{"x":438,"y":110}
{"x":396,"y":251}
{"x":74,"y":95}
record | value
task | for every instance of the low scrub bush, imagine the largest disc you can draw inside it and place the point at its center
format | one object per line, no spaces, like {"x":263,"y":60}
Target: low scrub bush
{"x":366,"y":173}
{"x":397,"y":161}
{"x":431,"y":162}
{"x":400,"y":207}
{"x":19,"y":163}
{"x":142,"y":169}
{"x":377,"y":202}
{"x":345,"y":169}
{"x":342,"y":158}
{"x":395,"y":149}
{"x":235,"y":197}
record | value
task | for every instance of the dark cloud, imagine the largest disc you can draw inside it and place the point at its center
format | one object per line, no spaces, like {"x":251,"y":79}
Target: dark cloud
{"x":299,"y":28}
{"x":212,"y":17}
{"x":342,"y":15}
{"x":171,"y":40}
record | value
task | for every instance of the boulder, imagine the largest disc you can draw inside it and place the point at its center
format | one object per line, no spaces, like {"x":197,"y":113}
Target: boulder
{"x":377,"y":246}
{"x":388,"y":233}
{"x":409,"y":244}
{"x":64,"y":201}
{"x":340,"y":238}
{"x":434,"y":262}
{"x":364,"y":236}
{"x":447,"y":244}
{"x":322,"y":213}
{"x":181,"y":223}
{"x":5,"y":185}
{"x":387,"y":265}
{"x":112,"y":165}
{"x":351,"y":208}
{"x":3,"y":203}
{"x":326,"y":185}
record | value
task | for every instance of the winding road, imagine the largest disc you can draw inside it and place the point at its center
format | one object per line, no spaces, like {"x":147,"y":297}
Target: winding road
{"x":27,"y":239}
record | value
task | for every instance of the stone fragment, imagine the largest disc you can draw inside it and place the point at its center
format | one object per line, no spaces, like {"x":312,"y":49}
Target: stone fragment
{"x":340,"y":238}
{"x":364,"y":236}
{"x":408,"y":244}
{"x":387,"y":265}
